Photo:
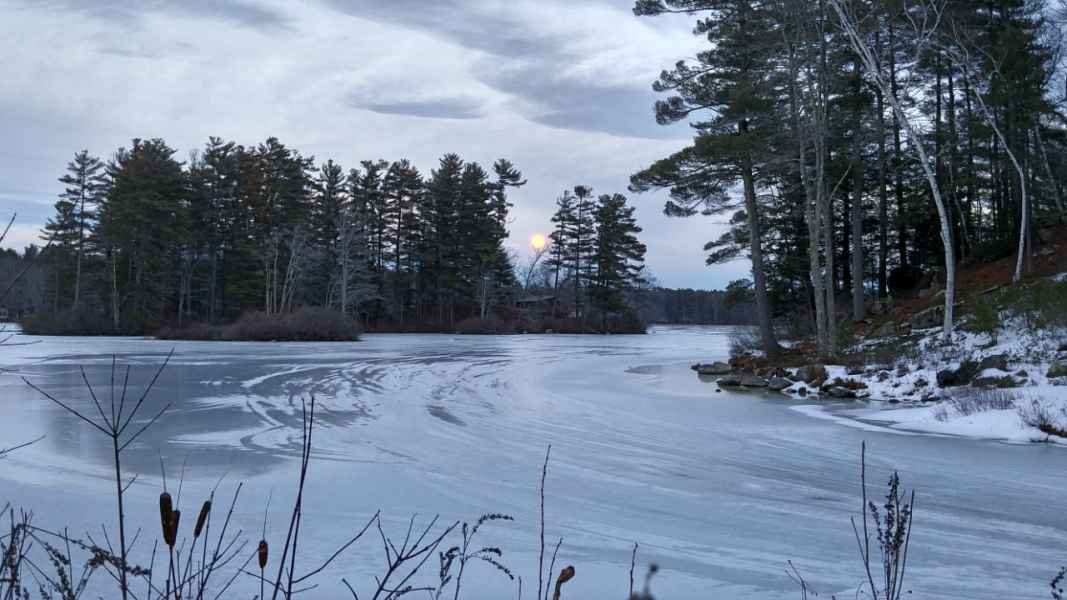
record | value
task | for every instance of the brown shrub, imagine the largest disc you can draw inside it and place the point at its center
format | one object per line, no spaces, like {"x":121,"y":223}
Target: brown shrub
{"x":307,"y":324}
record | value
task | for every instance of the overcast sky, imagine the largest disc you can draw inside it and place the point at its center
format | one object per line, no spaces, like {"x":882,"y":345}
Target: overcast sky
{"x":563,"y":89}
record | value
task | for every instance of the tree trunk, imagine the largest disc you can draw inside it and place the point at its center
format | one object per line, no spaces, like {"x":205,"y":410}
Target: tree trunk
{"x":114,"y":290}
{"x":1053,"y":183}
{"x":898,"y":155}
{"x":759,"y":277}
{"x":81,"y":246}
{"x":859,"y":309}
{"x":883,"y":191}
{"x":1024,"y":208}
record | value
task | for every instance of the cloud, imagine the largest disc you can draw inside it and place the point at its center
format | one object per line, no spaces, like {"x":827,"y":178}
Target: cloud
{"x":565,"y":66}
{"x":129,"y":13}
{"x":573,"y":104}
{"x":559,"y":87}
{"x":442,"y":108}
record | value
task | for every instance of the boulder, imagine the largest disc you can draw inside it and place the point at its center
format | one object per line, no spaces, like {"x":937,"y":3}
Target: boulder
{"x":729,"y":381}
{"x":838,"y":391}
{"x":812,"y":373}
{"x":1057,"y":369}
{"x":927,"y":319}
{"x":1007,"y":381}
{"x":754,"y":381}
{"x":802,"y":392}
{"x":848,"y":384}
{"x":967,"y":371}
{"x":779,"y":383}
{"x":949,"y":378}
{"x":998,"y":361}
{"x":715,"y":368}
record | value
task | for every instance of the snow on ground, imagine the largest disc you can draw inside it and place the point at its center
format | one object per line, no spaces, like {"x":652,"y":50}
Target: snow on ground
{"x":905,"y":396}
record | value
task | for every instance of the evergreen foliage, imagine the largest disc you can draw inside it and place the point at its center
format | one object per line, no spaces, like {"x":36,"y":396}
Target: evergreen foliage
{"x":153,"y":242}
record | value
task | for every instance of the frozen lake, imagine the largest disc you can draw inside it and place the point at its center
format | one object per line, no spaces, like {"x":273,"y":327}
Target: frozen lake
{"x":720,"y":489}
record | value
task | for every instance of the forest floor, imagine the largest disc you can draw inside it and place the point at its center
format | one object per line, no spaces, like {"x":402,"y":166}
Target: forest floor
{"x":1003,"y":376}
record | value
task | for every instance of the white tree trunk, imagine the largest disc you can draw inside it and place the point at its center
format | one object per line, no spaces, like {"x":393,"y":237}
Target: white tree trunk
{"x":859,"y":45}
{"x":1024,"y":217}
{"x":1056,"y":194}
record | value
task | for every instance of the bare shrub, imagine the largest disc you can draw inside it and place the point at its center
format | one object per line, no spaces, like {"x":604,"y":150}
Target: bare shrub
{"x":77,"y":321}
{"x":1049,"y":420}
{"x":969,"y":401}
{"x":892,"y":526}
{"x":486,"y":326}
{"x":744,"y":340}
{"x":307,"y":324}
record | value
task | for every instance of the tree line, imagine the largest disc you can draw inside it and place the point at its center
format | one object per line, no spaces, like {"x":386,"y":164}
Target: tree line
{"x":695,"y":307}
{"x":145,"y":241}
{"x":856,"y":144}
{"x":155,"y":241}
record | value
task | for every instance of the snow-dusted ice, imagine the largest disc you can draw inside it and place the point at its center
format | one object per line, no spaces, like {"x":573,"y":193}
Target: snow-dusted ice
{"x":719,"y":488}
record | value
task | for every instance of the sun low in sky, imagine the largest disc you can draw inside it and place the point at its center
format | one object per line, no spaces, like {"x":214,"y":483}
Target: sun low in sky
{"x":538,"y":242}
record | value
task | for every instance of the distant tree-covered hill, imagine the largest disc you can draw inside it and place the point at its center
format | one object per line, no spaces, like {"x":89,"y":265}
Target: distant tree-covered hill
{"x":694,"y":307}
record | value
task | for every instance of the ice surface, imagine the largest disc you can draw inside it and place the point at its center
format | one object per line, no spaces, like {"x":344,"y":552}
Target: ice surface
{"x":719,"y":488}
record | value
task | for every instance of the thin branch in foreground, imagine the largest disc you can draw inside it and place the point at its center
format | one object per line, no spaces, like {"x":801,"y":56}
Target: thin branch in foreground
{"x":5,"y":451}
{"x":541,"y":554}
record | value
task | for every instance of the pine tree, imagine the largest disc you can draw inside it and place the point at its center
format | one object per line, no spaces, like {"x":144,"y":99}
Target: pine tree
{"x":140,"y":218}
{"x":369,"y":196}
{"x":62,"y":231}
{"x":618,"y":257}
{"x":563,"y":226}
{"x":280,"y":200}
{"x":83,"y":183}
{"x":403,"y":190}
{"x":442,"y":190}
{"x":733,"y":81}
{"x":579,"y":244}
{"x":328,"y":202}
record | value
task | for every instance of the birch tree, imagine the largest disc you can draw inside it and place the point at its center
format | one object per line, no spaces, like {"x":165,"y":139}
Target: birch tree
{"x":925,"y":19}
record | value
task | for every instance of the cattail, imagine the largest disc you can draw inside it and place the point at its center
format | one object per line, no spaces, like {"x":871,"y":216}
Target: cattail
{"x":166,"y":513}
{"x":200,"y":520}
{"x":564,"y":576}
{"x":170,"y":535}
{"x":262,"y":554}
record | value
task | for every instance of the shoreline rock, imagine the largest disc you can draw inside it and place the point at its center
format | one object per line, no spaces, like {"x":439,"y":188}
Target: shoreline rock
{"x":715,"y":368}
